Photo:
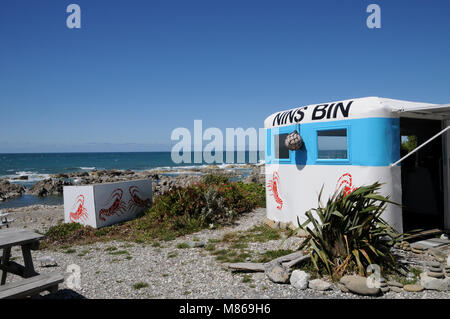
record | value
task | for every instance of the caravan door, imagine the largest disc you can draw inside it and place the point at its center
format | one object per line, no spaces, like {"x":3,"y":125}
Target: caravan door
{"x":425,"y":172}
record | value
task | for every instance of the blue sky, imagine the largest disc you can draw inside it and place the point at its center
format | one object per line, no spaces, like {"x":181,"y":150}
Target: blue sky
{"x":138,"y":69}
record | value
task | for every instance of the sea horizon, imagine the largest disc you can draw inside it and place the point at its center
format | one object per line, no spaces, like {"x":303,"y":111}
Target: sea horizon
{"x":38,"y":166}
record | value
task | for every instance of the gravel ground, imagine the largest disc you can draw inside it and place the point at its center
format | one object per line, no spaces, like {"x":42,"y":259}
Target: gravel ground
{"x":167,"y":271}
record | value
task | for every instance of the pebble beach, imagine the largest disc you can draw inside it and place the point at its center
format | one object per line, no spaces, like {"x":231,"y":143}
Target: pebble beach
{"x":120,"y":269}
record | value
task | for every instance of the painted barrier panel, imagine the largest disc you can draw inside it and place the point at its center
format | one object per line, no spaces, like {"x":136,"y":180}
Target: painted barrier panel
{"x":101,"y":205}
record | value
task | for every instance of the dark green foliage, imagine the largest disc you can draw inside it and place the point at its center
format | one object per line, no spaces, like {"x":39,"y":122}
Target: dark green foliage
{"x":349,"y":234}
{"x":182,"y":210}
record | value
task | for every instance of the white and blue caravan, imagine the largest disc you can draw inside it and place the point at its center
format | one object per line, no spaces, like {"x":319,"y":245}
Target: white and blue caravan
{"x":357,"y":142}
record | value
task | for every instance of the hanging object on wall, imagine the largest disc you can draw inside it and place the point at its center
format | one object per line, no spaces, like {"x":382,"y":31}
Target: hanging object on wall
{"x":294,"y":141}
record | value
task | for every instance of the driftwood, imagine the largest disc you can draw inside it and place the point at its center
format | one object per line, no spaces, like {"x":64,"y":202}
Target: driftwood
{"x":296,"y":261}
{"x":287,"y":261}
{"x":256,"y":267}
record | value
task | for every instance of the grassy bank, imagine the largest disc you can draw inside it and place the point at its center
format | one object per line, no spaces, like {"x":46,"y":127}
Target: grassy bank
{"x":213,"y":202}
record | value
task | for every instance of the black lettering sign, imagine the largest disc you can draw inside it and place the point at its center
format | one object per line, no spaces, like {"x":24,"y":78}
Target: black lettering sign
{"x":319,"y":112}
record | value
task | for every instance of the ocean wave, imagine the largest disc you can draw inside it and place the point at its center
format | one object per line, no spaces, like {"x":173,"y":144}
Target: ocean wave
{"x":32,"y":177}
{"x":87,"y":168}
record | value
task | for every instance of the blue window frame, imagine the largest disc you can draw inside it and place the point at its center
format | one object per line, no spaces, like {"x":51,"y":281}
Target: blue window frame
{"x":333,"y":145}
{"x":279,"y":152}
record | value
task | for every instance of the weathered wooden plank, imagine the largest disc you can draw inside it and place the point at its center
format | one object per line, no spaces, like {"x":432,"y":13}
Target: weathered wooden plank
{"x":288,"y":257}
{"x":31,"y":286}
{"x":296,"y":261}
{"x":11,"y":237}
{"x":28,"y":261}
{"x":16,"y":269}
{"x":424,"y":233}
{"x":252,"y":267}
{"x":5,"y":260}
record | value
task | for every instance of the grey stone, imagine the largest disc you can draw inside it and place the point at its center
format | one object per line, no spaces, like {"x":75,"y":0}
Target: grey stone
{"x":434,"y":264}
{"x":47,"y":261}
{"x":319,"y":284}
{"x":394,"y":283}
{"x":432,"y":283}
{"x":435,"y":274}
{"x":193,"y":244}
{"x":277,"y":273}
{"x":299,"y":279}
{"x":358,"y":285}
{"x":396,"y":289}
{"x":384,"y":289}
{"x":418,"y":247}
{"x":343,"y":288}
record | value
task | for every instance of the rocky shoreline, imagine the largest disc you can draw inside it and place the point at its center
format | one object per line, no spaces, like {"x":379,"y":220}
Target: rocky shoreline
{"x":163,"y":180}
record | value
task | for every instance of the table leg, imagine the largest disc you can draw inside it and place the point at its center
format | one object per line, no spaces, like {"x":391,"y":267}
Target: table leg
{"x":28,"y":261}
{"x":5,"y":260}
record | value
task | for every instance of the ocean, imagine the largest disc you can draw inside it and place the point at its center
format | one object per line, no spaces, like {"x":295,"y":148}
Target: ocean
{"x":39,"y":166}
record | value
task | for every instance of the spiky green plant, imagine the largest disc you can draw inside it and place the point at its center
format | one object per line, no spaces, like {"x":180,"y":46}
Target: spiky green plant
{"x":349,"y":234}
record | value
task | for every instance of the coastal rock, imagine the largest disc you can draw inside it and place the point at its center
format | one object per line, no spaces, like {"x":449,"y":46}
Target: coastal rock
{"x":195,"y":244}
{"x":9,"y":190}
{"x":47,"y":261}
{"x":396,"y":289}
{"x":257,"y":176}
{"x":299,"y":279}
{"x":49,"y":187}
{"x":358,"y":285}
{"x":319,"y":284}
{"x":393,"y":283}
{"x":432,"y":283}
{"x":277,"y":273}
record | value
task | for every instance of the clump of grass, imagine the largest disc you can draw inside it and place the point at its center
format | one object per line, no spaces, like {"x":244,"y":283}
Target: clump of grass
{"x":172,"y":255}
{"x":233,"y":246}
{"x":70,"y":251}
{"x":246,"y":278}
{"x":182,"y":246}
{"x":119,"y":252}
{"x":84,"y":252}
{"x":140,"y":285}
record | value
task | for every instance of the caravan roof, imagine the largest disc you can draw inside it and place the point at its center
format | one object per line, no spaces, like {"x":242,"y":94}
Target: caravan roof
{"x":357,"y":108}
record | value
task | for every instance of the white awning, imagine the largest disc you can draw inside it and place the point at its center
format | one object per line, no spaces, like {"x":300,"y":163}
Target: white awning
{"x":439,"y":112}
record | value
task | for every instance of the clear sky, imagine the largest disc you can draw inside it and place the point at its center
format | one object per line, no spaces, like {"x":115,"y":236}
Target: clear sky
{"x":138,"y":69}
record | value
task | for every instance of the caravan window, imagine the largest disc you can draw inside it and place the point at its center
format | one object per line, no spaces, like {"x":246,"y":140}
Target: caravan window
{"x":281,"y":151}
{"x":332,"y":144}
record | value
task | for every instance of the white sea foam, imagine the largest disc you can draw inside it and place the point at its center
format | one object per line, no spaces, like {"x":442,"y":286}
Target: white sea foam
{"x":32,"y":177}
{"x":87,"y":168}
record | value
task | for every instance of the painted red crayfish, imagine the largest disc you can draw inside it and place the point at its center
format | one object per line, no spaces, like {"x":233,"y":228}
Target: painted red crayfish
{"x":345,"y":184}
{"x":136,"y":201}
{"x":117,"y":206}
{"x":273,"y":187}
{"x":81,"y":212}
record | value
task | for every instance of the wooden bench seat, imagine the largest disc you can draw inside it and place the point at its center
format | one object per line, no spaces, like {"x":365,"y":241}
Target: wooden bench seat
{"x":31,"y":286}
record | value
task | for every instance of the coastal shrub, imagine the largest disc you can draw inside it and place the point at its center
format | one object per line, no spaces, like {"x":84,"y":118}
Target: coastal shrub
{"x":60,"y":232}
{"x":348,"y":233}
{"x":215,"y":179}
{"x":182,"y":210}
{"x":206,"y":204}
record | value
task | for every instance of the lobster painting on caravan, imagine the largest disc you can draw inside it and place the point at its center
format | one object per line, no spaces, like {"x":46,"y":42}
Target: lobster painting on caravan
{"x":345,"y":144}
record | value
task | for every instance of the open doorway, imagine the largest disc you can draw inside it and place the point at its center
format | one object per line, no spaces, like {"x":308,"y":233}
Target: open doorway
{"x":422,"y":175}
